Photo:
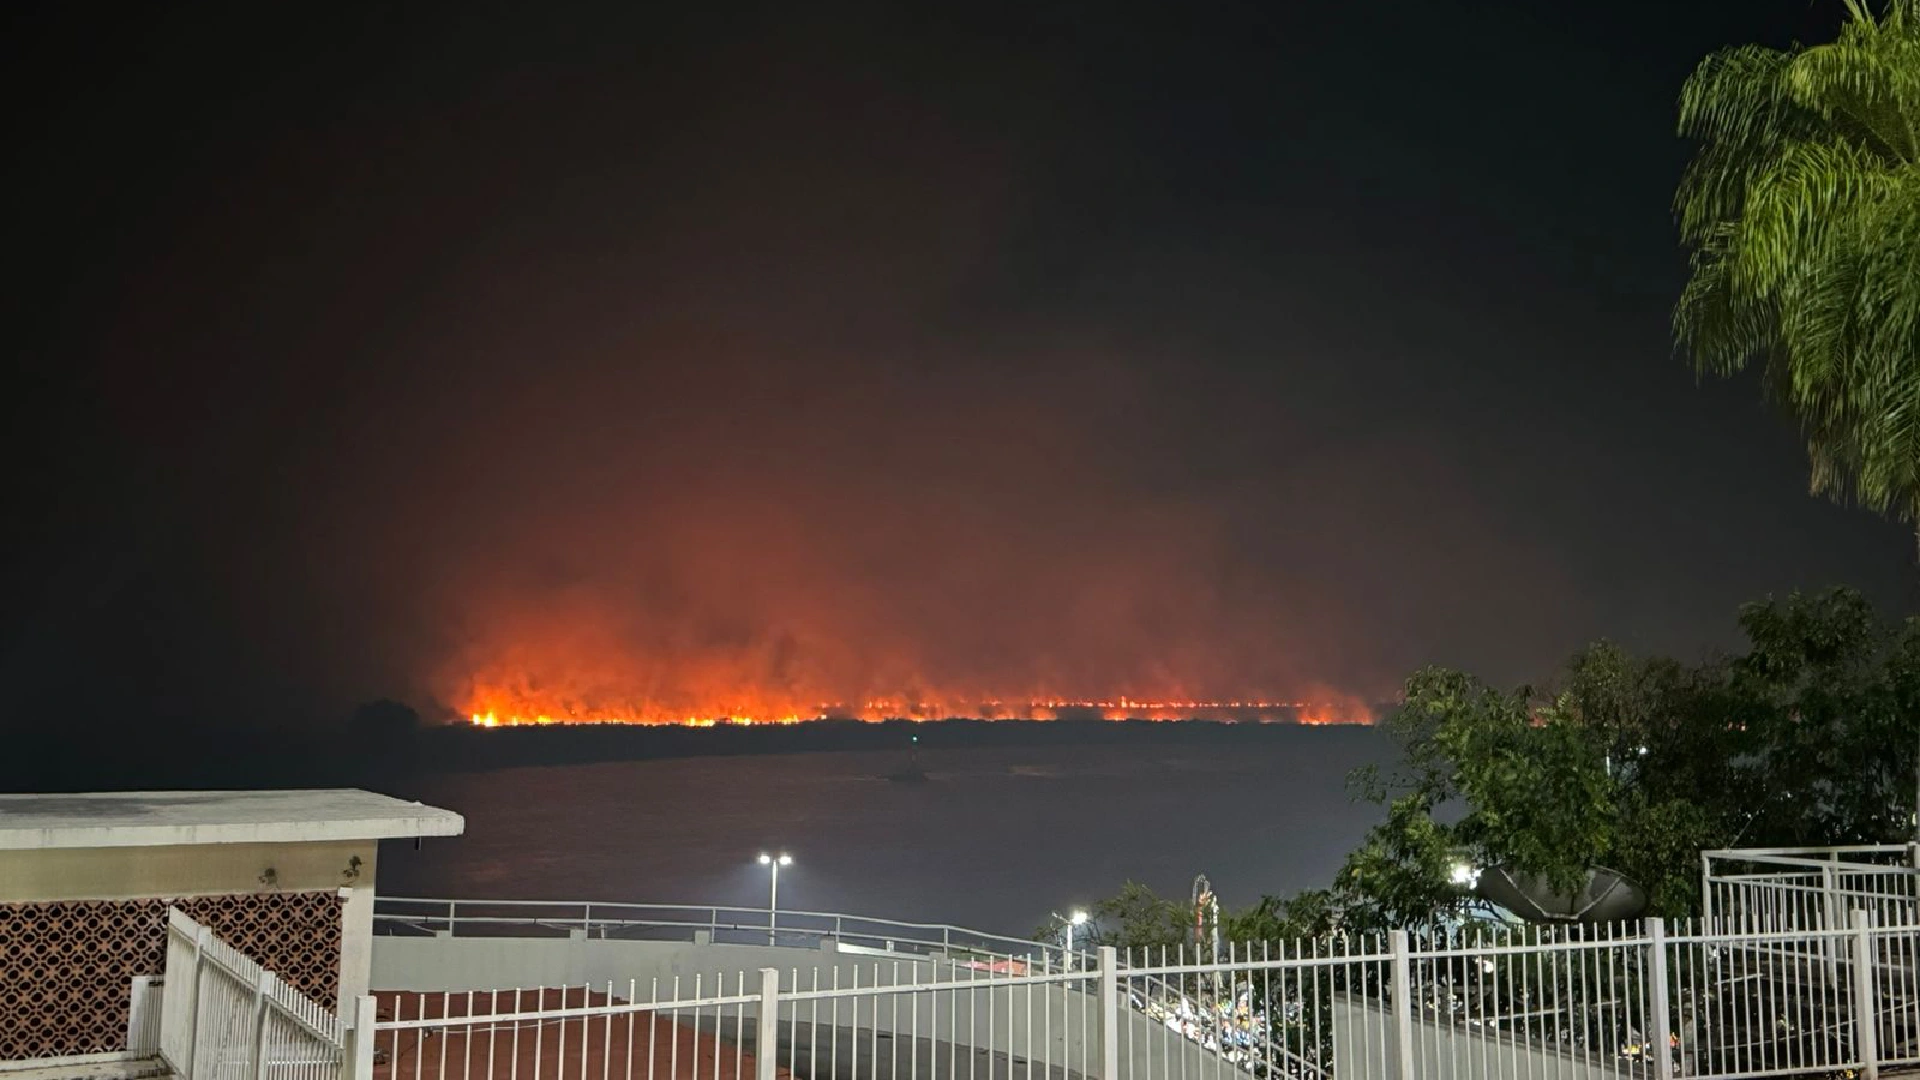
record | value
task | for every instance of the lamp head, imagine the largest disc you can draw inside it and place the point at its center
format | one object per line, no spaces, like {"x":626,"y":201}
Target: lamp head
{"x":765,"y":858}
{"x":1077,"y":917}
{"x":786,"y":859}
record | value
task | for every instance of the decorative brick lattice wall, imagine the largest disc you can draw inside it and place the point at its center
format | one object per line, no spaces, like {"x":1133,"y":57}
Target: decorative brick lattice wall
{"x":65,"y":966}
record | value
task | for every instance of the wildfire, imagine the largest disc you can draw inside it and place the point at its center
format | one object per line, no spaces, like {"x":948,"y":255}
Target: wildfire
{"x":508,"y":711}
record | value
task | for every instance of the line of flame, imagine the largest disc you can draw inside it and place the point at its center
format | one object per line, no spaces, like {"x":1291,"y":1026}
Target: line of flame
{"x":1118,"y":708}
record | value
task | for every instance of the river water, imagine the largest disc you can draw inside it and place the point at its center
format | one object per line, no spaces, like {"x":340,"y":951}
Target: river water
{"x":999,"y":835}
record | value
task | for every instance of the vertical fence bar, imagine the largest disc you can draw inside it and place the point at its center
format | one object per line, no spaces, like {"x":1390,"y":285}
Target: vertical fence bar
{"x":143,"y":1012}
{"x":1866,"y":1010}
{"x":1831,"y":921}
{"x":1109,"y":1013}
{"x":261,"y":986}
{"x":357,"y":1062}
{"x":766,"y":1031}
{"x":1657,"y":1014}
{"x":1706,"y":887}
{"x":201,"y":935}
{"x":1402,"y":993}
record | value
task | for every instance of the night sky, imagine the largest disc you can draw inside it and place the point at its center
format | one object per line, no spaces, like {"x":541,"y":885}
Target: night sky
{"x":1266,"y":350}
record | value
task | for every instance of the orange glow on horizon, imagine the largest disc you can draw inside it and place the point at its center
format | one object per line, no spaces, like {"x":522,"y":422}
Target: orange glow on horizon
{"x":503,"y":710}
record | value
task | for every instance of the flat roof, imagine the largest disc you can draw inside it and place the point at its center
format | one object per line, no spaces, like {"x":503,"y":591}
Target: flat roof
{"x":107,"y":819}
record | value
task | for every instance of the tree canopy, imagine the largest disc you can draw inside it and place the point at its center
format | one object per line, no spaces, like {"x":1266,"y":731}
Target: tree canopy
{"x":1802,"y":211}
{"x":1807,"y":737}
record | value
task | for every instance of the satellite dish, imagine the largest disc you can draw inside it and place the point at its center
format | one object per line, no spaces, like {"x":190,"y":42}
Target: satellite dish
{"x":1607,"y":896}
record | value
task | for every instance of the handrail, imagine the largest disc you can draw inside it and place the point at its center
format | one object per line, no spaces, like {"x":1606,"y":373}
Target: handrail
{"x":1808,"y":856}
{"x":784,"y":912}
{"x":591,"y":914}
{"x":1797,"y":860}
{"x":1813,"y":849}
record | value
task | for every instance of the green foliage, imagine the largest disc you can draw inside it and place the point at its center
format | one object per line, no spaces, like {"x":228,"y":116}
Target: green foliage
{"x":1399,"y":876}
{"x":1833,"y":727}
{"x":1637,"y":765}
{"x":1802,"y":210}
{"x":1809,"y":737}
{"x":1310,"y":914}
{"x":1138,"y":918}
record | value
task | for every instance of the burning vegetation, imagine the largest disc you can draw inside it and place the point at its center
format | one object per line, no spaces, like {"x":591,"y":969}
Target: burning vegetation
{"x":502,"y":710}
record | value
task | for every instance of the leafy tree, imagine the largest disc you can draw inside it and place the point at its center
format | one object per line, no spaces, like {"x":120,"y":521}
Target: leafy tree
{"x":1401,"y":873}
{"x":1802,"y":210}
{"x":1138,"y":918}
{"x":1310,"y":914}
{"x":1637,"y":765}
{"x":1836,"y":697}
{"x":1808,"y":737}
{"x":1134,"y":918}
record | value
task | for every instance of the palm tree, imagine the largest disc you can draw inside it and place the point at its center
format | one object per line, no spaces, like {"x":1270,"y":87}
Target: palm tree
{"x":1802,"y":211}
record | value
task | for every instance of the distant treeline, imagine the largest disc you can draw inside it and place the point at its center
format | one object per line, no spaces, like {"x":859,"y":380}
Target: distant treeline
{"x":386,"y":744}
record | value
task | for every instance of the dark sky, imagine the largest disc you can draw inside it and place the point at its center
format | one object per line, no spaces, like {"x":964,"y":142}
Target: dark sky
{"x":624,"y":353}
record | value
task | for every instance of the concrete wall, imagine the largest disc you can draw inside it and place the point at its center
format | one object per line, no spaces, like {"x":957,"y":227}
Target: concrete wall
{"x":1366,"y":1047}
{"x":136,"y":873}
{"x":1051,"y":1022}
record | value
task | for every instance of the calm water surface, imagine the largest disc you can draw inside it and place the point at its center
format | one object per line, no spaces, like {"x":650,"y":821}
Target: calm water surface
{"x":997,"y":838}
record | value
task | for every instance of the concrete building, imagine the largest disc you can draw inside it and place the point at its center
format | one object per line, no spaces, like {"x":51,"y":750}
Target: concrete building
{"x":85,"y":882}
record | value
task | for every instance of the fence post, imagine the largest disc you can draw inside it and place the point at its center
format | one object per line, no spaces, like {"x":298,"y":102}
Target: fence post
{"x":261,"y":986}
{"x":1831,"y":922}
{"x":766,"y":1037}
{"x":1706,"y":889}
{"x":356,"y":1060}
{"x":1109,"y":1013}
{"x":137,"y":1009}
{"x":201,"y":935}
{"x":1657,"y":1003}
{"x":1402,"y":991}
{"x":1866,"y":1007}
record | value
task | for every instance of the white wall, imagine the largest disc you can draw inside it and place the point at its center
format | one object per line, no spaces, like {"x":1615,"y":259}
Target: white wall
{"x":1366,"y":1047}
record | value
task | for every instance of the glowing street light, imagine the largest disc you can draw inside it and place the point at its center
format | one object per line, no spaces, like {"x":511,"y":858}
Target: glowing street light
{"x":1078,"y":917}
{"x":773,"y":863}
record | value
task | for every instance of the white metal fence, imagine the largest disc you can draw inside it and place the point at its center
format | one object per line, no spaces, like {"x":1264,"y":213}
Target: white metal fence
{"x":1652,"y":1001}
{"x":1815,"y":887}
{"x":224,"y":1017}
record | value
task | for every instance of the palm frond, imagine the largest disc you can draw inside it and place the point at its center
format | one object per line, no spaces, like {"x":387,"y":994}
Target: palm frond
{"x":1802,"y":209}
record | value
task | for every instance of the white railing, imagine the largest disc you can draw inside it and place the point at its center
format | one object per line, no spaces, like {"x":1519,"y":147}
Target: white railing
{"x":1645,"y":1000}
{"x":720,"y":925}
{"x":223,"y":1017}
{"x":895,"y":1020}
{"x":1810,"y":886}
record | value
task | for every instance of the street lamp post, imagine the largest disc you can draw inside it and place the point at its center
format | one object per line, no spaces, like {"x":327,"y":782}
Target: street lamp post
{"x":1077,"y":918}
{"x":773,"y":863}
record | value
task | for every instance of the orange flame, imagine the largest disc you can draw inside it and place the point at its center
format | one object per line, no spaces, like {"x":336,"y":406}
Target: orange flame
{"x":497,"y":707}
